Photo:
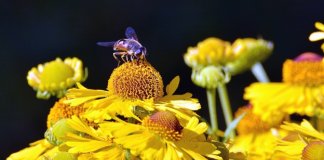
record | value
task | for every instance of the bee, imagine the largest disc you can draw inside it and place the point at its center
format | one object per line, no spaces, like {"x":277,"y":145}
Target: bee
{"x":128,"y":48}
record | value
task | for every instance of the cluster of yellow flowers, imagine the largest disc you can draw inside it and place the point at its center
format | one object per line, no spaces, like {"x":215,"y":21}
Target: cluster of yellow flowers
{"x":136,"y":117}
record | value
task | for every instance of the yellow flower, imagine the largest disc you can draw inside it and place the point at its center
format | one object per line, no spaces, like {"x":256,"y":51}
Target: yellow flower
{"x":252,"y":123}
{"x":259,"y":145}
{"x":160,"y":136}
{"x":53,"y":78}
{"x":300,"y":92}
{"x":211,"y":51}
{"x":91,"y":143}
{"x":134,"y":89}
{"x":304,"y":142}
{"x":61,"y":111}
{"x":35,"y":151}
{"x":319,"y":35}
{"x":246,"y":52}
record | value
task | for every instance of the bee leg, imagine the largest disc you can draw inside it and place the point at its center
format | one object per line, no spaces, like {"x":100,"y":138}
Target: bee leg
{"x":115,"y":56}
{"x":132,"y":57}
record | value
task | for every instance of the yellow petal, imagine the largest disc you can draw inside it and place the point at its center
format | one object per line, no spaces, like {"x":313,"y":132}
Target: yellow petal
{"x":319,"y":26}
{"x":185,"y":104}
{"x":173,"y":85}
{"x":86,"y":146}
{"x":315,"y":36}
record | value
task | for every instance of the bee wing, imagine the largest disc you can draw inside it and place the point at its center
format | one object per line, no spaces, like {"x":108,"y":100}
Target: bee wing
{"x":106,"y":44}
{"x":130,"y":33}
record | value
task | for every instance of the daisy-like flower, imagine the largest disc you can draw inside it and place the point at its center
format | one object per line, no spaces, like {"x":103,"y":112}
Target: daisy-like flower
{"x":91,"y":143}
{"x":319,"y":35}
{"x":61,"y":111}
{"x":303,"y":142}
{"x":211,"y":51}
{"x":301,"y":91}
{"x":252,"y":123}
{"x":55,"y":77}
{"x":135,"y":88}
{"x":253,"y":133}
{"x":161,"y":136}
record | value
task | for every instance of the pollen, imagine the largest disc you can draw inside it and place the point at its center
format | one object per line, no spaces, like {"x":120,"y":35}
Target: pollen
{"x":61,"y":110}
{"x":165,"y":124}
{"x":136,"y":80}
{"x":306,"y":69}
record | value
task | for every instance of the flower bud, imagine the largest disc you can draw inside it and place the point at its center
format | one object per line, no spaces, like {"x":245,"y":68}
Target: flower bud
{"x":209,"y":77}
{"x":55,"y":133}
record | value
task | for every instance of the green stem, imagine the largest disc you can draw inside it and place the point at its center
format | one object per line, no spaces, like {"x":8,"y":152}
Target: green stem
{"x":226,"y":106}
{"x":211,"y":97}
{"x":259,"y":72}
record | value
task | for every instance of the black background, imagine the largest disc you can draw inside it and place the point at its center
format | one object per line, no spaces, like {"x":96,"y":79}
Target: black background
{"x":33,"y":32}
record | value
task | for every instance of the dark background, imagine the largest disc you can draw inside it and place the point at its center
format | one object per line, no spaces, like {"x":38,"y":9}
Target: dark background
{"x":33,"y":32}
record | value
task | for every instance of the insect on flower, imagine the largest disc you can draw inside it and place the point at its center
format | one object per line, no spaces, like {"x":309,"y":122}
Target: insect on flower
{"x":128,"y":48}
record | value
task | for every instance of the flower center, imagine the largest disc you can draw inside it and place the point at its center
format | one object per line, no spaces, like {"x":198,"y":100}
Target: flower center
{"x":306,"y":69}
{"x":165,"y":124}
{"x":61,"y":110}
{"x":136,"y":80}
{"x":56,"y":72}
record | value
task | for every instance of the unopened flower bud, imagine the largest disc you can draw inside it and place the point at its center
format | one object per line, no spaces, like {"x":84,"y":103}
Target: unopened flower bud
{"x":209,"y":77}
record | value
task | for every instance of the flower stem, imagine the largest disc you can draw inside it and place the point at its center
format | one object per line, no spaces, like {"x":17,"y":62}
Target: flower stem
{"x":259,"y":72}
{"x":226,"y":106}
{"x":211,"y":97}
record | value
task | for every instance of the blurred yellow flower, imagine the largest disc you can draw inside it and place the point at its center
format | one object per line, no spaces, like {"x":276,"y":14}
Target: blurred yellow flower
{"x":259,"y":145}
{"x":303,"y":142}
{"x":246,"y":52}
{"x":133,"y":84}
{"x":319,"y":35}
{"x":162,"y":137}
{"x":252,"y":123}
{"x":300,"y":92}
{"x":211,"y":51}
{"x":55,"y":77}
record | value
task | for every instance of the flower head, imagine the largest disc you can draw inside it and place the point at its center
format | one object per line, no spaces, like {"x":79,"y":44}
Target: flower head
{"x":246,"y":52}
{"x":303,"y":142}
{"x":299,"y":92}
{"x":60,"y":111}
{"x":53,"y":78}
{"x":251,"y":123}
{"x":129,"y":89}
{"x":152,"y":140}
{"x":211,"y":51}
{"x":259,"y":145}
{"x":136,"y":80}
{"x":319,"y":35}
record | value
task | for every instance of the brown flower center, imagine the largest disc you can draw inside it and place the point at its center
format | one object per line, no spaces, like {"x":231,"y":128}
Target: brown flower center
{"x":136,"y":80}
{"x":165,"y":124}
